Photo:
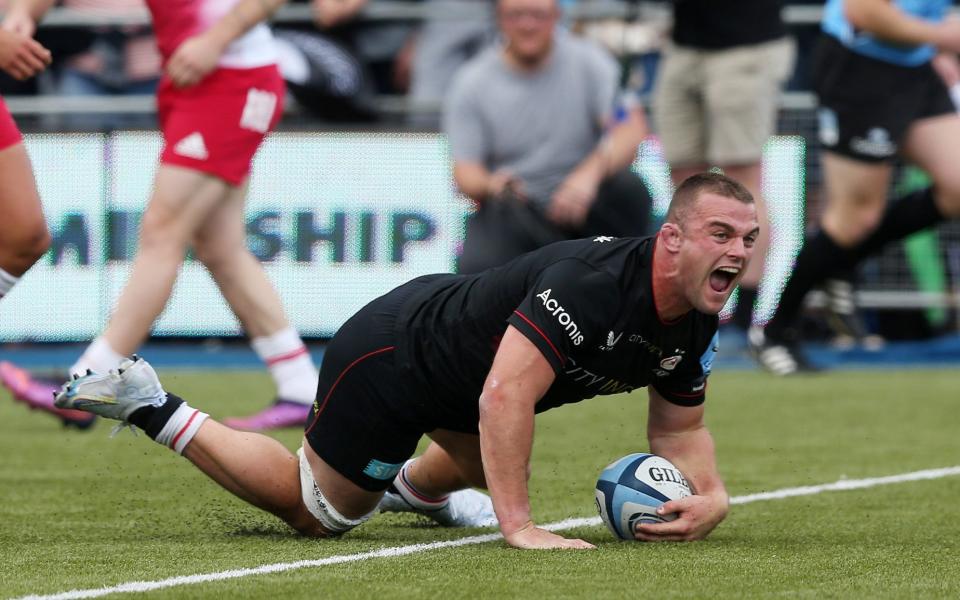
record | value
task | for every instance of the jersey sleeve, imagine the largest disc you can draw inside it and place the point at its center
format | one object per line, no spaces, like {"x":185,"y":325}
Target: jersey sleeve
{"x":570,"y":306}
{"x":687,"y":386}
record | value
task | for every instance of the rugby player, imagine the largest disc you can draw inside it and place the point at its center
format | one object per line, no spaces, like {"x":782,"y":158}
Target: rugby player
{"x":220,"y":95}
{"x":469,"y":360}
{"x":880,"y":97}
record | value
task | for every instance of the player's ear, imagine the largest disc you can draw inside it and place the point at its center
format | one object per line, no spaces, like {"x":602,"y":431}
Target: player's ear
{"x":671,"y":236}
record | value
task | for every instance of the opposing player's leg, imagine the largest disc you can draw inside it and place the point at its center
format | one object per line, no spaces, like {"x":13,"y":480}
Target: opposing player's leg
{"x":23,"y":231}
{"x":23,"y":239}
{"x":182,"y":201}
{"x":254,"y":467}
{"x":438,"y":483}
{"x":933,"y":144}
{"x":750,"y":176}
{"x":220,"y":244}
{"x":856,"y":193}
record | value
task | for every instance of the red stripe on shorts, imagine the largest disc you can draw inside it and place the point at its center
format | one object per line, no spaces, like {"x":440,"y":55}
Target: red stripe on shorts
{"x":323,"y":404}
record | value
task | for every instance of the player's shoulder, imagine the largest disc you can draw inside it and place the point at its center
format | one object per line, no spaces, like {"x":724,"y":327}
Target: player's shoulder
{"x":596,"y":261}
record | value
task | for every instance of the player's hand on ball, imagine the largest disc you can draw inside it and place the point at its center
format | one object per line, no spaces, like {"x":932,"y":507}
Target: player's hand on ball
{"x":696,"y":517}
{"x":531,"y":537}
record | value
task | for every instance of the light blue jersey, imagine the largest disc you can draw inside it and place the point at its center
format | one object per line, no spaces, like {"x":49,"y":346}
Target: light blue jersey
{"x":835,"y":23}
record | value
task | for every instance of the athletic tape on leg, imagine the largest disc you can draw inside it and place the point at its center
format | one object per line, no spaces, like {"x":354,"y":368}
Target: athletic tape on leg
{"x":319,"y":506}
{"x":181,"y":428}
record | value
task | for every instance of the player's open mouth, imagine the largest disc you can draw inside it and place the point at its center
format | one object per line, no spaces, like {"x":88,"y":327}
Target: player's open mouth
{"x":722,"y":278}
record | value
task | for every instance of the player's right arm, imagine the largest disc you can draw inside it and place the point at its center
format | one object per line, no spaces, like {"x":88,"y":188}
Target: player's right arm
{"x":884,"y":20}
{"x":519,"y":377}
{"x":197,"y":56}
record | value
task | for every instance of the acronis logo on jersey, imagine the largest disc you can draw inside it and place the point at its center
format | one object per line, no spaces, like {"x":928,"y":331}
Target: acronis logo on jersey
{"x":563,"y":317}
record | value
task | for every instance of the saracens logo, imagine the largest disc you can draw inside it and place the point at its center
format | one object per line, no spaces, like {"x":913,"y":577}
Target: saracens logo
{"x":670,"y":363}
{"x":563,"y":317}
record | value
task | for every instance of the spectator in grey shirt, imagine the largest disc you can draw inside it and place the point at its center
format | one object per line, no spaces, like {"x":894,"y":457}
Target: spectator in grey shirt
{"x":537,"y":143}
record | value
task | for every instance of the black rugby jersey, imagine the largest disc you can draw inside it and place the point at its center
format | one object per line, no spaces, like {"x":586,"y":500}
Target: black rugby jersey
{"x":586,"y":304}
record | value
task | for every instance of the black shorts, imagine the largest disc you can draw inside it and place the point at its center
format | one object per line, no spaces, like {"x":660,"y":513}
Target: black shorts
{"x":868,"y":105}
{"x":370,"y":412}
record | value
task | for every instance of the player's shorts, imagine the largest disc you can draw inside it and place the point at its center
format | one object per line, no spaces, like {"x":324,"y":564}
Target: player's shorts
{"x":9,"y":134}
{"x":217,"y":125}
{"x":719,"y":107}
{"x":370,"y":412}
{"x":867,"y":105}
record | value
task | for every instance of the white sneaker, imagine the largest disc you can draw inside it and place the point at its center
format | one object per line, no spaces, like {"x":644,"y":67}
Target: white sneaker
{"x":465,"y":508}
{"x":114,"y":395}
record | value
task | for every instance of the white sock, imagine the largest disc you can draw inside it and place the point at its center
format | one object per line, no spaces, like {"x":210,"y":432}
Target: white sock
{"x":99,"y":357}
{"x":7,"y":281}
{"x":181,"y":428}
{"x":290,"y":365}
{"x":415,"y":497}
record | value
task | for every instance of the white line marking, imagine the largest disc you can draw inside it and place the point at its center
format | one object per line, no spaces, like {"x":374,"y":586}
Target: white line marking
{"x":146,"y":586}
{"x":846,"y":484}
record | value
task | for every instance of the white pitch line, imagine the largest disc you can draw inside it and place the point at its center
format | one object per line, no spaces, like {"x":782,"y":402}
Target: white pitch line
{"x":846,"y":484}
{"x":146,"y":586}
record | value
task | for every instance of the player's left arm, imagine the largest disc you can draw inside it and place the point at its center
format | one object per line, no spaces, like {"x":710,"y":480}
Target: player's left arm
{"x":197,"y":56}
{"x":518,"y":378}
{"x":679,"y":434}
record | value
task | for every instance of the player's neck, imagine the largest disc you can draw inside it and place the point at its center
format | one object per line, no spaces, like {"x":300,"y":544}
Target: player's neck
{"x":668,"y":300}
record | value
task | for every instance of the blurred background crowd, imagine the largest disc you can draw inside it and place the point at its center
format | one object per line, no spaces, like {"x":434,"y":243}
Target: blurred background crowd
{"x":402,"y":66}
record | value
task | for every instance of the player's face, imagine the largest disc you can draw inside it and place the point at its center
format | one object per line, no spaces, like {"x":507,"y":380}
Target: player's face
{"x":527,"y":27}
{"x":718,"y":235}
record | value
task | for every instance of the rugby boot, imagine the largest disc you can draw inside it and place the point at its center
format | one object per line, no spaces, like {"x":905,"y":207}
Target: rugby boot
{"x":778,"y":356}
{"x":114,"y":395}
{"x":282,"y":413}
{"x":38,"y":395}
{"x":844,"y":317}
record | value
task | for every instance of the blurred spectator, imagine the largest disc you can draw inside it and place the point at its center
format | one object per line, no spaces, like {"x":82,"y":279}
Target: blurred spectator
{"x":121,"y":60}
{"x":716,"y":101}
{"x":336,"y":72}
{"x":534,"y":143}
{"x":417,"y":59}
{"x":442,"y":46}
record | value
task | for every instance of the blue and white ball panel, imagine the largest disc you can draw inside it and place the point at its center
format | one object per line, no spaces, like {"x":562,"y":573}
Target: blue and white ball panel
{"x":630,"y":490}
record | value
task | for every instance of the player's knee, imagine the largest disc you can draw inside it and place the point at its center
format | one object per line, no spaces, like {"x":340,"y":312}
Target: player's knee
{"x":25,"y":249}
{"x":36,"y":244}
{"x":159,"y":229}
{"x":851,"y":227}
{"x":948,"y":197}
{"x":315,"y":515}
{"x":213,"y":254}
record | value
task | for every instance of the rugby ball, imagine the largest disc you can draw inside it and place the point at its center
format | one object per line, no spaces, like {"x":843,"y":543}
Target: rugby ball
{"x":630,"y":490}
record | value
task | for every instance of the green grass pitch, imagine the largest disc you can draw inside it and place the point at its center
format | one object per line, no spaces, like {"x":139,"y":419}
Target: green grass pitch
{"x":82,"y":510}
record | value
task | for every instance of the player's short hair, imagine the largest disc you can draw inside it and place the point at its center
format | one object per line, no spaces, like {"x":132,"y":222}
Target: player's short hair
{"x":692,"y":187}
